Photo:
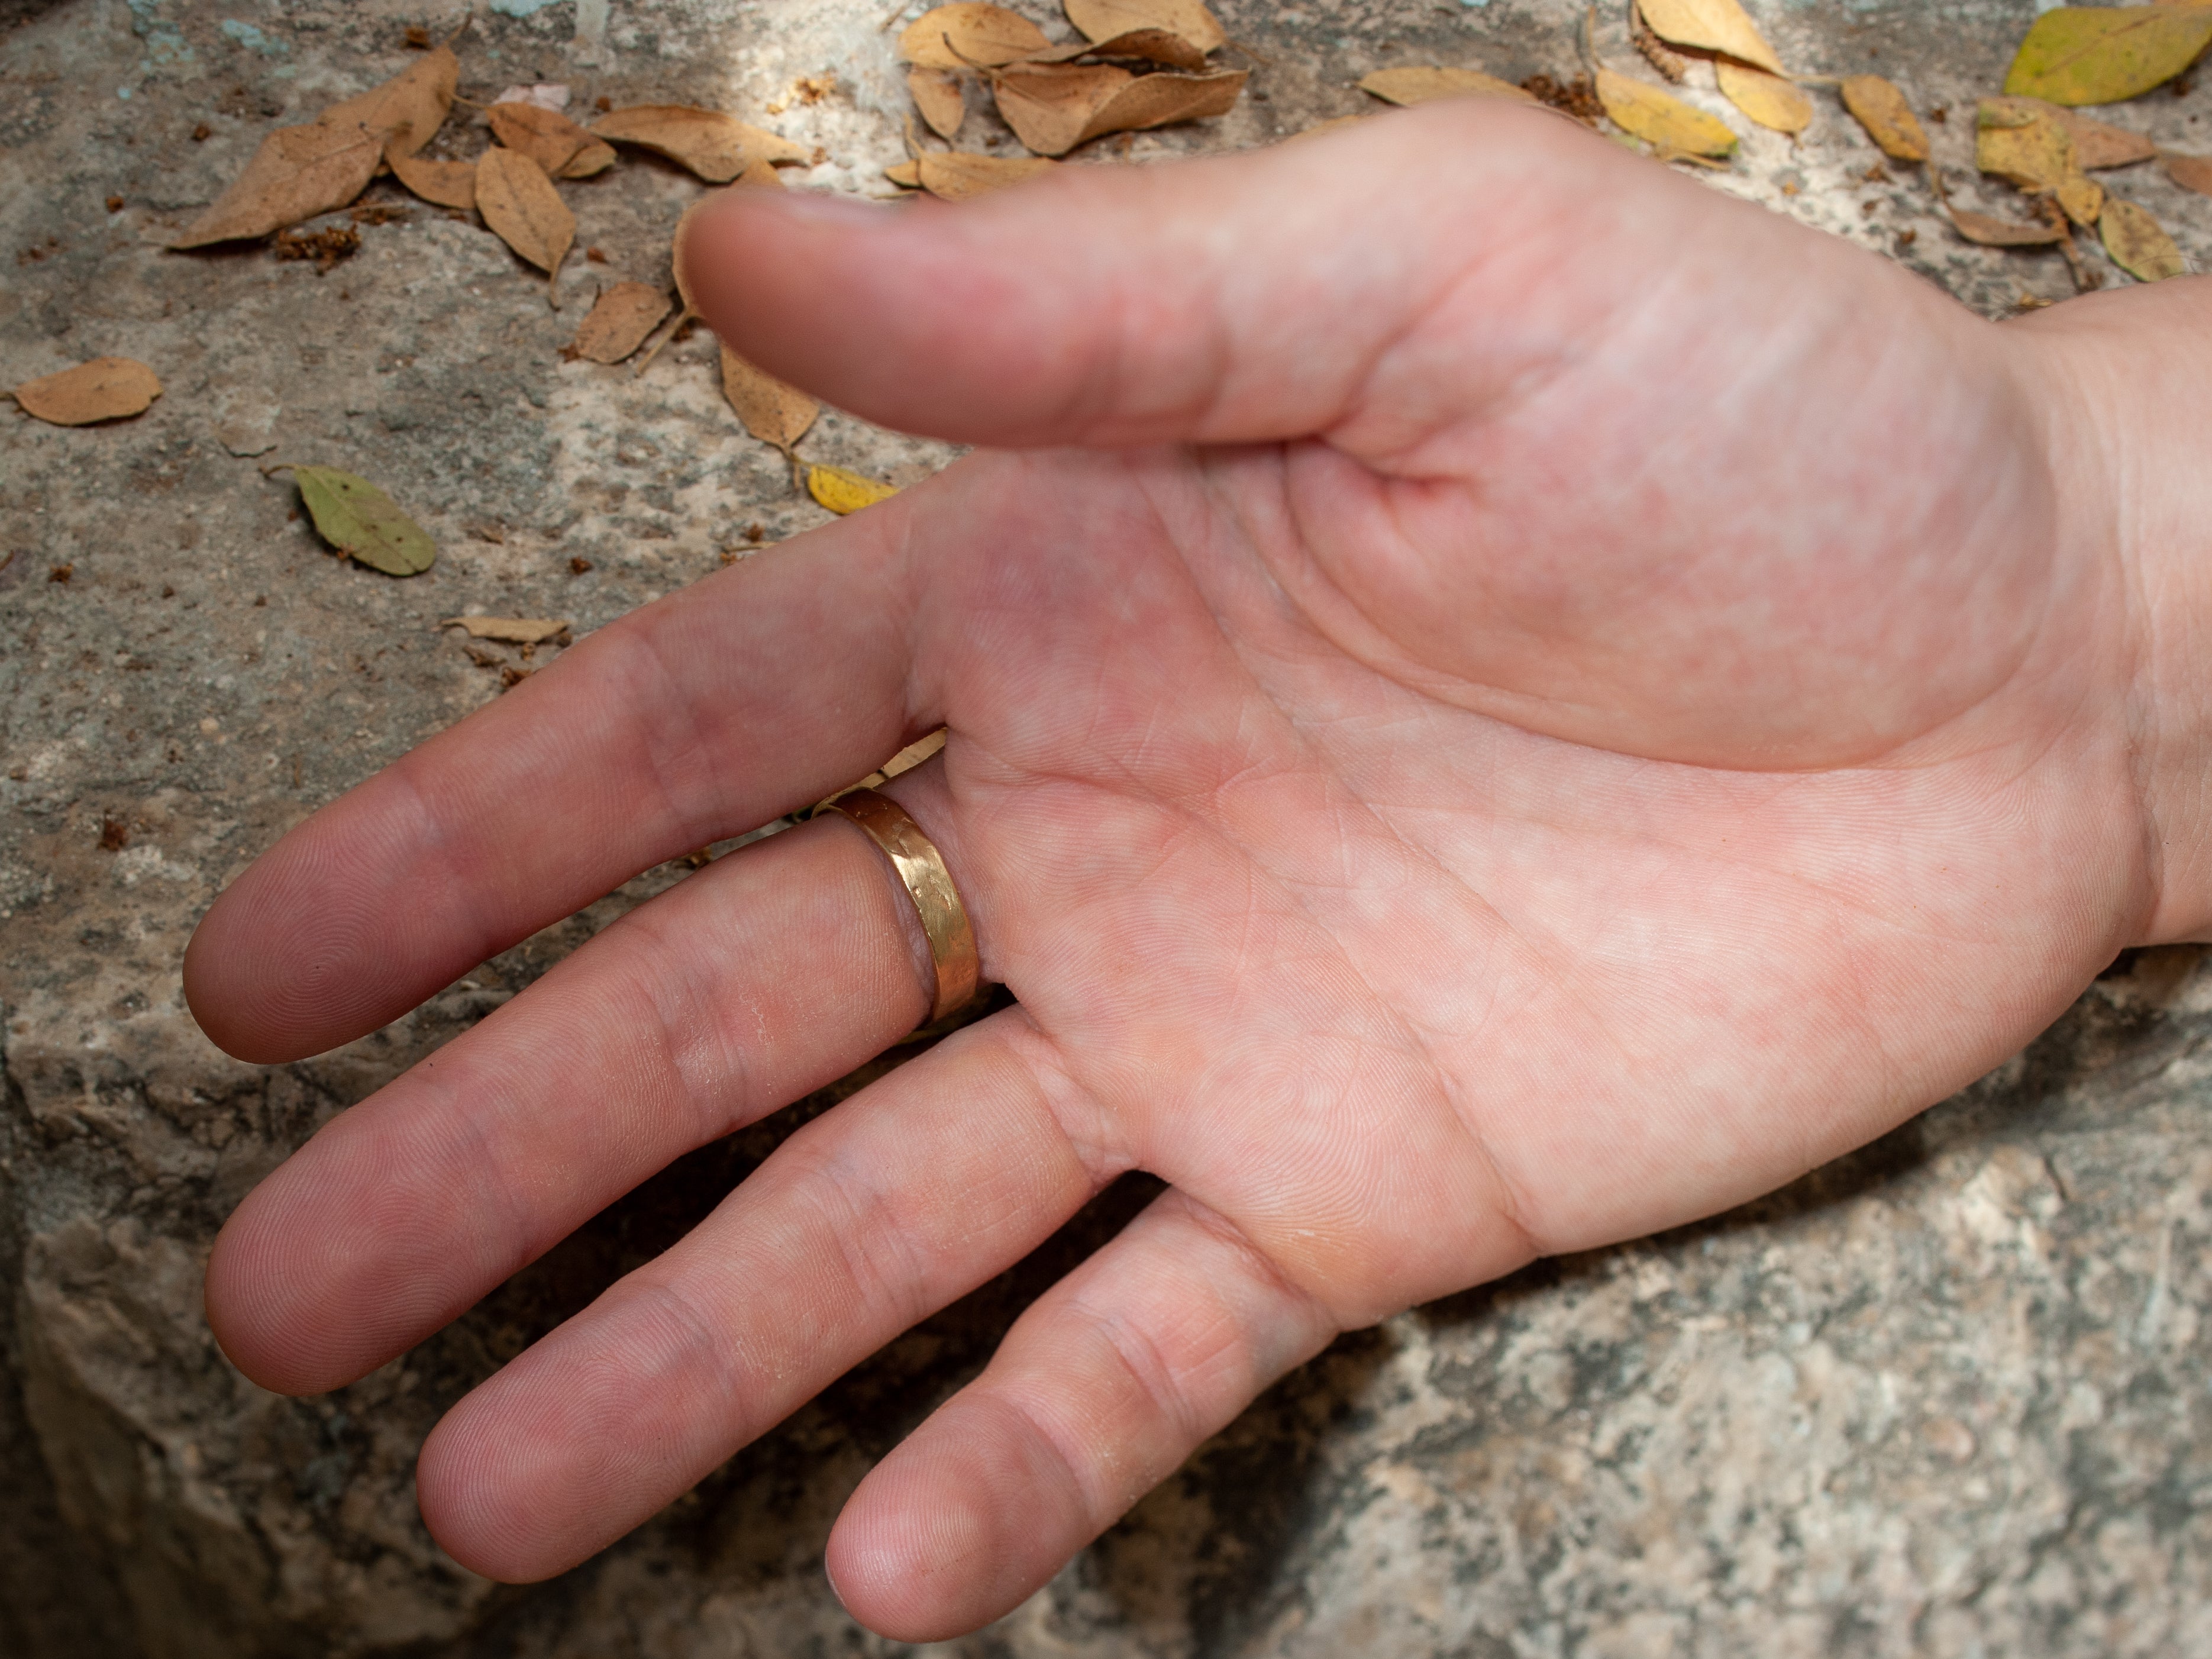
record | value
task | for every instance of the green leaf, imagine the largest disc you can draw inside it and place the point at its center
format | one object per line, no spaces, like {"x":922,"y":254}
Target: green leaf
{"x":364,"y":523}
{"x":2103,"y":54}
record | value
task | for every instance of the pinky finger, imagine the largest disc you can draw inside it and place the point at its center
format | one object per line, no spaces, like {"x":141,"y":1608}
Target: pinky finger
{"x":1098,"y":1392}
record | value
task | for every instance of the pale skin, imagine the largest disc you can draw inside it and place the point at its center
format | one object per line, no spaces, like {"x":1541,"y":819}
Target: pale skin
{"x":1499,"y":700}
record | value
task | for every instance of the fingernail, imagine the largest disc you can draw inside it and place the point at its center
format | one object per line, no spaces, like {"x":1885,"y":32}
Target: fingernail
{"x":833,"y":1590}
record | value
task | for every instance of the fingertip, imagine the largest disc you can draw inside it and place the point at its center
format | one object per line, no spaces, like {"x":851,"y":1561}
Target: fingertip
{"x":470,"y":1497}
{"x":958,"y":1527}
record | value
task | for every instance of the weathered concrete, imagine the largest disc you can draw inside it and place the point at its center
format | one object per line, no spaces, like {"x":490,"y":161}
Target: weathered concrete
{"x":1946,"y":1397}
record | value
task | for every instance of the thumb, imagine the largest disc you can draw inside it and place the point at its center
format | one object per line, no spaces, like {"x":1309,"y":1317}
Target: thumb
{"x":1249,"y":298}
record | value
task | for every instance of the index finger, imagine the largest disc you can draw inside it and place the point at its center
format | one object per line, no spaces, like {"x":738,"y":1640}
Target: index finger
{"x":715,"y":710}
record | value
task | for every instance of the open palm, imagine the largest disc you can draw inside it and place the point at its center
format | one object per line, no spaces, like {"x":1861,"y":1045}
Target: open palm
{"x":1509,"y":702}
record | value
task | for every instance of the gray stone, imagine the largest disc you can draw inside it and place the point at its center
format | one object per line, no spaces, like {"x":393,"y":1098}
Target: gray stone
{"x":1946,"y":1397}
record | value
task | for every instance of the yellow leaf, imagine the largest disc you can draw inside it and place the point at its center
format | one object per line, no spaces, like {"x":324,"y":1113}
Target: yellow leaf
{"x":2105,"y":54}
{"x":773,"y":412}
{"x":1766,"y":98}
{"x":1422,"y":83}
{"x":1880,"y":108}
{"x":2031,"y":152}
{"x":715,"y":146}
{"x":1102,"y":20}
{"x":907,"y":175}
{"x":2137,"y":243}
{"x":843,"y":491}
{"x":963,"y":36}
{"x":1670,"y":126}
{"x":1714,"y":24}
{"x":2096,"y":144}
{"x":2082,"y":197}
{"x":105,"y":389}
{"x":956,"y":177}
{"x":2018,"y":142}
{"x":519,"y":202}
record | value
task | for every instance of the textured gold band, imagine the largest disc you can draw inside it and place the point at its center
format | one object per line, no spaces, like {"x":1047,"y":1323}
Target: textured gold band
{"x":929,"y":884}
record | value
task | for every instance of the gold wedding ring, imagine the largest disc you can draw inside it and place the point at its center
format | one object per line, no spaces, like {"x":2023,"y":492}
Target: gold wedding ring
{"x":929,"y":884}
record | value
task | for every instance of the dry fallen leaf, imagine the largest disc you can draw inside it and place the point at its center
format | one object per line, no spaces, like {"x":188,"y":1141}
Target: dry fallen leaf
{"x":772,"y":411}
{"x":1670,"y":126}
{"x":907,"y":175}
{"x":937,"y":94}
{"x":1422,"y":83}
{"x":1163,"y":99}
{"x":1153,"y":46}
{"x":564,"y":149}
{"x":619,"y":322}
{"x":716,"y":147}
{"x":448,"y":184}
{"x":297,"y":172}
{"x":360,"y":521}
{"x":514,"y":630}
{"x":1102,"y":20}
{"x":1992,"y":232}
{"x":1052,"y":108}
{"x":956,"y":177}
{"x":759,"y":173}
{"x":965,"y":36}
{"x":913,"y":755}
{"x":2190,"y":172}
{"x":1767,"y":99}
{"x":105,"y":389}
{"x":2138,"y":243}
{"x":519,"y":202}
{"x":2099,"y":145}
{"x":843,"y":491}
{"x":1049,"y":106}
{"x":2107,"y":54}
{"x":1880,"y":108}
{"x":406,"y":112}
{"x":1712,"y":24}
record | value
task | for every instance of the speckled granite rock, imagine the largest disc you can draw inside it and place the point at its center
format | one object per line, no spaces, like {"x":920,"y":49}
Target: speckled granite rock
{"x":1946,"y":1397}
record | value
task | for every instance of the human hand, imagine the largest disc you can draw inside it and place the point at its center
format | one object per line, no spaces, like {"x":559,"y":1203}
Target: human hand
{"x":1510,"y":701}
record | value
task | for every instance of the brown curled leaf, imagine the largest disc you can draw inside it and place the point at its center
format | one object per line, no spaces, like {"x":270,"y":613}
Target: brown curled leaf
{"x":716,"y":147}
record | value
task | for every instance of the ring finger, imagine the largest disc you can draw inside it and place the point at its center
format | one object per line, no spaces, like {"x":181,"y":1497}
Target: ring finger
{"x":770,"y":973}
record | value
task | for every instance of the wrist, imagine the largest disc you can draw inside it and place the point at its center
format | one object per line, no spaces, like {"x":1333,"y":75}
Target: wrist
{"x":2125,"y":380}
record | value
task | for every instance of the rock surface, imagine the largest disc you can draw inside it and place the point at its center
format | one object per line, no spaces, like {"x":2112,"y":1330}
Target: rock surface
{"x":1946,"y":1397}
